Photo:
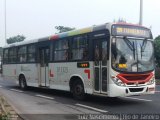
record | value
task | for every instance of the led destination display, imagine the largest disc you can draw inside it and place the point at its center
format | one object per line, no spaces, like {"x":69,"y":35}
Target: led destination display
{"x":132,"y":31}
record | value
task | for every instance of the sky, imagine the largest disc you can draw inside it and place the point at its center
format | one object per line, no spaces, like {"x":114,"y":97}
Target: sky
{"x":38,"y":18}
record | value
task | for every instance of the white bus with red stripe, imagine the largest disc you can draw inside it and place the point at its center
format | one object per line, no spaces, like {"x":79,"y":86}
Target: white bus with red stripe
{"x":113,"y":59}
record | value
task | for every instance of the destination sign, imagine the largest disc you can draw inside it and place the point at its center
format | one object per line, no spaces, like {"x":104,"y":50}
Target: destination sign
{"x":131,"y":31}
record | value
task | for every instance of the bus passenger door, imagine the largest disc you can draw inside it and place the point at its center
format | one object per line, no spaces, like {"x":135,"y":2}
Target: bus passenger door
{"x":100,"y":65}
{"x":44,"y":60}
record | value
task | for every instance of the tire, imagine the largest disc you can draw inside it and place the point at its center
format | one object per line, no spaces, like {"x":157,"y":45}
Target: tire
{"x":78,"y":90}
{"x":22,"y":83}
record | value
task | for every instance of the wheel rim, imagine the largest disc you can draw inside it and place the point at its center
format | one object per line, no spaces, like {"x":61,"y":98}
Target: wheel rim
{"x":78,"y":89}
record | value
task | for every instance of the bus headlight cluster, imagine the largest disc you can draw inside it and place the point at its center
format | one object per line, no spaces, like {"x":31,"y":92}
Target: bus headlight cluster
{"x":117,"y":81}
{"x":151,"y":81}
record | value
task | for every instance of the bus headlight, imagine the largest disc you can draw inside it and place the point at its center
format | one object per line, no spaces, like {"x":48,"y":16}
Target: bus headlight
{"x":117,"y":81}
{"x":151,"y":81}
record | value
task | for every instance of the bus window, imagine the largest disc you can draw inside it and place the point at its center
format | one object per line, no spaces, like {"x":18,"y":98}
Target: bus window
{"x":80,"y":48}
{"x":104,"y":53}
{"x":22,"y":54}
{"x":85,"y":54}
{"x":5,"y":57}
{"x":12,"y":55}
{"x":31,"y":53}
{"x":61,"y":50}
{"x":96,"y":55}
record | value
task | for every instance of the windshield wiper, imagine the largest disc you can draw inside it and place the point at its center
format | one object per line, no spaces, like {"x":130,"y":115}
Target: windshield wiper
{"x":131,"y":46}
{"x":143,"y":46}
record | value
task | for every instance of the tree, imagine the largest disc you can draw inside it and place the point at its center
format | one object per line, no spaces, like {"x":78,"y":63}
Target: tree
{"x":120,"y":20}
{"x":63,"y":29}
{"x":14,"y":39}
{"x":157,"y":50}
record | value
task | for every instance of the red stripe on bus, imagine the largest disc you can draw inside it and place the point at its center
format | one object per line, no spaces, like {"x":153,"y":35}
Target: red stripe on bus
{"x":51,"y":74}
{"x":54,"y":37}
{"x":87,"y":71}
{"x":136,"y":78}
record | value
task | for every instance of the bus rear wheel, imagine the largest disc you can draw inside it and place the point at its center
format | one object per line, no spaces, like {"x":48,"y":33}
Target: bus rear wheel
{"x":78,"y":90}
{"x":22,"y":83}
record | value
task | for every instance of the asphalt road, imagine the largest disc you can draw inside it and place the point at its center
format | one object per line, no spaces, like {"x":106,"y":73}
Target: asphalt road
{"x":44,"y":104}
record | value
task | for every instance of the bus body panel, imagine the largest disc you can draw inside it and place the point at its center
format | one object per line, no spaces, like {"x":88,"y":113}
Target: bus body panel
{"x":30,"y":72}
{"x":10,"y":71}
{"x":61,"y":73}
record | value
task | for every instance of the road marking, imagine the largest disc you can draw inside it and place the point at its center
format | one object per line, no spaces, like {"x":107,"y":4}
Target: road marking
{"x":0,"y":86}
{"x":96,"y":109}
{"x":157,"y":91}
{"x":16,"y":90}
{"x":42,"y":96}
{"x":138,"y":99}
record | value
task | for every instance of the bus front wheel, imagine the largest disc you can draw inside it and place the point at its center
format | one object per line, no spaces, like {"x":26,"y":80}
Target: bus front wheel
{"x":78,"y":90}
{"x":22,"y":82}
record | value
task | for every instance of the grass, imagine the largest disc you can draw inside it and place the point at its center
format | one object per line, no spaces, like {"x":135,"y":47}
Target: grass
{"x":4,"y":116}
{"x":6,"y":111}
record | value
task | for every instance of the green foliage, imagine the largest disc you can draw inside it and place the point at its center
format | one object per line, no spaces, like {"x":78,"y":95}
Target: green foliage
{"x":5,"y":116}
{"x":14,"y":39}
{"x":157,"y":50}
{"x":63,"y":29}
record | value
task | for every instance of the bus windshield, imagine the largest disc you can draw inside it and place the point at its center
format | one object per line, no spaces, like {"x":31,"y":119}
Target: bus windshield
{"x":132,"y":55}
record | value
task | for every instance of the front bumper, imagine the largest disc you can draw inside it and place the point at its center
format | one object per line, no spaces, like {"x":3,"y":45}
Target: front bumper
{"x":117,"y":91}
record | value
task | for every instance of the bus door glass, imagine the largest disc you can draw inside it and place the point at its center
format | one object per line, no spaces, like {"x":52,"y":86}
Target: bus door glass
{"x":44,"y":60}
{"x":100,"y":65}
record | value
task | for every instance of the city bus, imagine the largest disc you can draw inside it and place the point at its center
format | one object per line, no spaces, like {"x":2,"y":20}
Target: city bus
{"x":112,"y":59}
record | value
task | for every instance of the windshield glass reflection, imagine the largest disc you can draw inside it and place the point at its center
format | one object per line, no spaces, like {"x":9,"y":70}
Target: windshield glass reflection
{"x":132,"y":55}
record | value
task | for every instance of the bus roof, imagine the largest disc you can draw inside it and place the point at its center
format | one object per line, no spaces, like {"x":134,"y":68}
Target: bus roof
{"x":72,"y":33}
{"x":79,"y":31}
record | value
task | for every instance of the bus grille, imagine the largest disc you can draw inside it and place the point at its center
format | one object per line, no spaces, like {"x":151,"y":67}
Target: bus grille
{"x":138,"y":77}
{"x":140,"y":83}
{"x":135,"y":89}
